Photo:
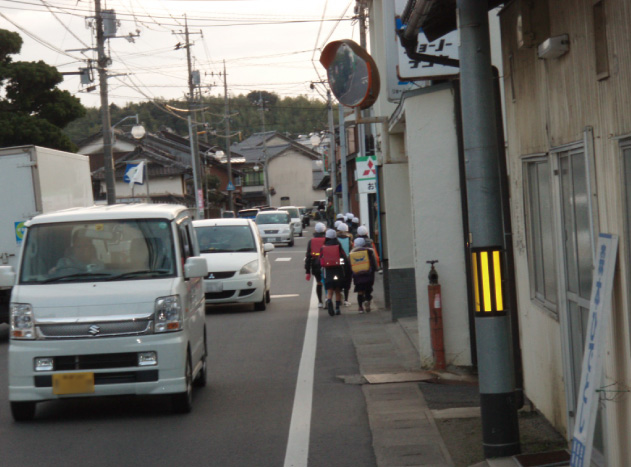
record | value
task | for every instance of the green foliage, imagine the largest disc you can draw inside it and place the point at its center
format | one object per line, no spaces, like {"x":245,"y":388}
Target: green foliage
{"x":32,"y":109}
{"x":290,"y":116}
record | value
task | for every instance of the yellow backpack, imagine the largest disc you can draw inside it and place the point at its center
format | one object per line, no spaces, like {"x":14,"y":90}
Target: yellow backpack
{"x":360,"y":261}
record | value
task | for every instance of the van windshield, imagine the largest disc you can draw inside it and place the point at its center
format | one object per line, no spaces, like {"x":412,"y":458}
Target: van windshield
{"x":293,"y":212}
{"x":123,"y":249}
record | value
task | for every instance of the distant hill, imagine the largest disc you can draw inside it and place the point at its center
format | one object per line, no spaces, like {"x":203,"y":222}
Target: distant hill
{"x":289,"y":115}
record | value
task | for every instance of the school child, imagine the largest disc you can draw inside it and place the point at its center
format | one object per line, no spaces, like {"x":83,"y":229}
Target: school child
{"x":362,"y":232}
{"x":312,"y":259}
{"x":363,"y":267}
{"x":333,"y":261}
{"x":346,"y":240}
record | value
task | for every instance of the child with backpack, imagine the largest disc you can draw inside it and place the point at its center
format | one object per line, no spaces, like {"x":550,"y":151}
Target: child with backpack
{"x":312,"y":259}
{"x":363,"y":267}
{"x":333,"y":261}
{"x":346,"y":240}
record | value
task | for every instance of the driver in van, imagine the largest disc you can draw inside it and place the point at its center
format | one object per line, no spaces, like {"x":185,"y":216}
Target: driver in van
{"x":80,"y":257}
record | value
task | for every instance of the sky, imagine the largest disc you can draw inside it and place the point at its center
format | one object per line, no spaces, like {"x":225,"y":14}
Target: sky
{"x":281,"y":56}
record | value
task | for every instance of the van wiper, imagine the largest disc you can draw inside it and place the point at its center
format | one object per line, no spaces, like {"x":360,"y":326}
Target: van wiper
{"x":76,"y":275}
{"x":141,"y":272}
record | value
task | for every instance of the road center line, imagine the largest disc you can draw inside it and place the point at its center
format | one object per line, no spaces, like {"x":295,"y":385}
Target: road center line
{"x":283,"y":259}
{"x":289,"y":295}
{"x":297,"y":453}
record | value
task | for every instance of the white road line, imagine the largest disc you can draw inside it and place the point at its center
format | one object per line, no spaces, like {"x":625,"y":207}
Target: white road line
{"x":282,"y":259}
{"x":286,"y":295}
{"x":297,"y":453}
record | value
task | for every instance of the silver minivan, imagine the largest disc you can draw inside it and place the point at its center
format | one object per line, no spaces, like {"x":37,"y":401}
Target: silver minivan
{"x":107,"y":300}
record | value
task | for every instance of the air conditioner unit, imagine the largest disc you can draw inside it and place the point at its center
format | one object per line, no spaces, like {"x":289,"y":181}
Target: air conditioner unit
{"x":554,"y":47}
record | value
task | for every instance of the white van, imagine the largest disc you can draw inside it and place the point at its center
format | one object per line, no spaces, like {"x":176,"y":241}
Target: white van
{"x":296,"y":218}
{"x":107,"y":300}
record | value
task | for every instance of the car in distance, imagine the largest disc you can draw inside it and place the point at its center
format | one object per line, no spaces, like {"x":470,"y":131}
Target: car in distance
{"x":247,"y":213}
{"x":239,"y":270}
{"x":296,"y":219}
{"x":275,"y":227}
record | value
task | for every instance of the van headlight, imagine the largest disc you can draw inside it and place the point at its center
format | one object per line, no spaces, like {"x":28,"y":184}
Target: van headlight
{"x":250,"y":268}
{"x":22,"y":325}
{"x":168,"y":314}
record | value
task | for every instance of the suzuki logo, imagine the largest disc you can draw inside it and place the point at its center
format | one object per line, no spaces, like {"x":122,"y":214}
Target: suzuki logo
{"x":94,"y":329}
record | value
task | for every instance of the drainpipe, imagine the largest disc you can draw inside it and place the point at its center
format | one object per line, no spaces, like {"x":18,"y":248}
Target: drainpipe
{"x":500,"y":428}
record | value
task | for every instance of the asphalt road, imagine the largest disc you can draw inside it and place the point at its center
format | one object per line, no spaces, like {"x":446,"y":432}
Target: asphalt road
{"x":242,"y":418}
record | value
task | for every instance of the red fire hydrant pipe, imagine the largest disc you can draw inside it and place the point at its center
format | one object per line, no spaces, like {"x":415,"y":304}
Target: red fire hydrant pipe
{"x":436,"y":319}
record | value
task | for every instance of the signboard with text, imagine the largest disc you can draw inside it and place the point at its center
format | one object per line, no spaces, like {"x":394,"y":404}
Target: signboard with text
{"x":591,"y":374}
{"x":366,"y":174}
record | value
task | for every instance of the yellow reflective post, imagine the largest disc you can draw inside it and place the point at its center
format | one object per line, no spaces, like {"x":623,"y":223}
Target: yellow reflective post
{"x":488,"y":292}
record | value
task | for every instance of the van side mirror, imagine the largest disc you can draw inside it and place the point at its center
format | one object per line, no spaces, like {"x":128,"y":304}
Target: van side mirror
{"x":7,"y":276}
{"x":195,"y":266}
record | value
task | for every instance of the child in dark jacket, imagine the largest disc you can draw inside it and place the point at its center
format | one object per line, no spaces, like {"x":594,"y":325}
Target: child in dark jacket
{"x":363,"y":273}
{"x":334,"y":275}
{"x":312,"y":259}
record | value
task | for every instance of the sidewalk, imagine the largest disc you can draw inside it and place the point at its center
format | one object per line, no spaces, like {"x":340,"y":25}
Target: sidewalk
{"x":415,"y":422}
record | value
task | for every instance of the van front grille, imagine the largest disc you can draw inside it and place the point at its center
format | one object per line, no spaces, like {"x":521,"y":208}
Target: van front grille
{"x":94,"y":330}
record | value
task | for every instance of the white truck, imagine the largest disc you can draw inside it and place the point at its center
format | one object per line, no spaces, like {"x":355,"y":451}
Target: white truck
{"x":36,"y":180}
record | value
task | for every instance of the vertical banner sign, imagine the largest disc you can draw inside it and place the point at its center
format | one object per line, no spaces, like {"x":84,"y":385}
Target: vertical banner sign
{"x":200,"y":199}
{"x":599,"y":310}
{"x":366,"y":174}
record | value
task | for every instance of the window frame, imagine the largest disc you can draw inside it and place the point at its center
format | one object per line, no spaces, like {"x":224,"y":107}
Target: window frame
{"x":536,"y":295}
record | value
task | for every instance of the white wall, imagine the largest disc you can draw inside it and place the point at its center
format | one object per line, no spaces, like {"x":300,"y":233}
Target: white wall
{"x":157,"y":186}
{"x":291,"y":174}
{"x":432,"y":148}
{"x":398,"y":208}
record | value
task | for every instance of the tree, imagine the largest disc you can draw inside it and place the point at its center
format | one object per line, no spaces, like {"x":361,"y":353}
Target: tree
{"x":32,"y":109}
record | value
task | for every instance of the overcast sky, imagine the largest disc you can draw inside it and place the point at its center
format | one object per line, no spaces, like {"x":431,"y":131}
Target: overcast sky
{"x":276,"y":57}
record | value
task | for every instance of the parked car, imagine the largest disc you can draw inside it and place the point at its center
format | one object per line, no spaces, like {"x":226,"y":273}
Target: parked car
{"x":296,"y":219}
{"x":107,"y":300}
{"x":239,"y":270}
{"x":275,"y":227}
{"x":247,"y":213}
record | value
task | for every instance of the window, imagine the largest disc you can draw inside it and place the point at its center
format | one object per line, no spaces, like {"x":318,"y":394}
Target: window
{"x":253,"y":178}
{"x":600,"y":40}
{"x":542,"y":264}
{"x":126,"y":249}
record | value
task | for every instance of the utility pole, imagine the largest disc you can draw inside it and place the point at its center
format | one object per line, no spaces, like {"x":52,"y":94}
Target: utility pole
{"x":498,"y":404}
{"x":108,"y":158}
{"x":332,"y":159}
{"x":265,"y":171}
{"x":342,"y":128}
{"x":227,"y":119}
{"x":199,"y":198}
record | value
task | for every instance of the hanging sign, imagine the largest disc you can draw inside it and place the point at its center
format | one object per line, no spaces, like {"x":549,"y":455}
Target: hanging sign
{"x":599,"y":310}
{"x":366,"y":174}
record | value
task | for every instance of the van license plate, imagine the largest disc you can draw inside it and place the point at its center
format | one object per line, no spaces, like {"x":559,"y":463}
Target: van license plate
{"x":213,"y":286}
{"x":73,"y":383}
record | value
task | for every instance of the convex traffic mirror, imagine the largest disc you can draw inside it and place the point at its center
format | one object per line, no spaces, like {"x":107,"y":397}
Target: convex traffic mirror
{"x":352,"y":73}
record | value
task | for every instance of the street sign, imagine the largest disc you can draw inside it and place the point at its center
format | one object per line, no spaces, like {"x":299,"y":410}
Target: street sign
{"x":134,"y":173}
{"x":366,"y":168}
{"x":230,"y":187}
{"x":599,"y":310}
{"x":446,"y":46}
